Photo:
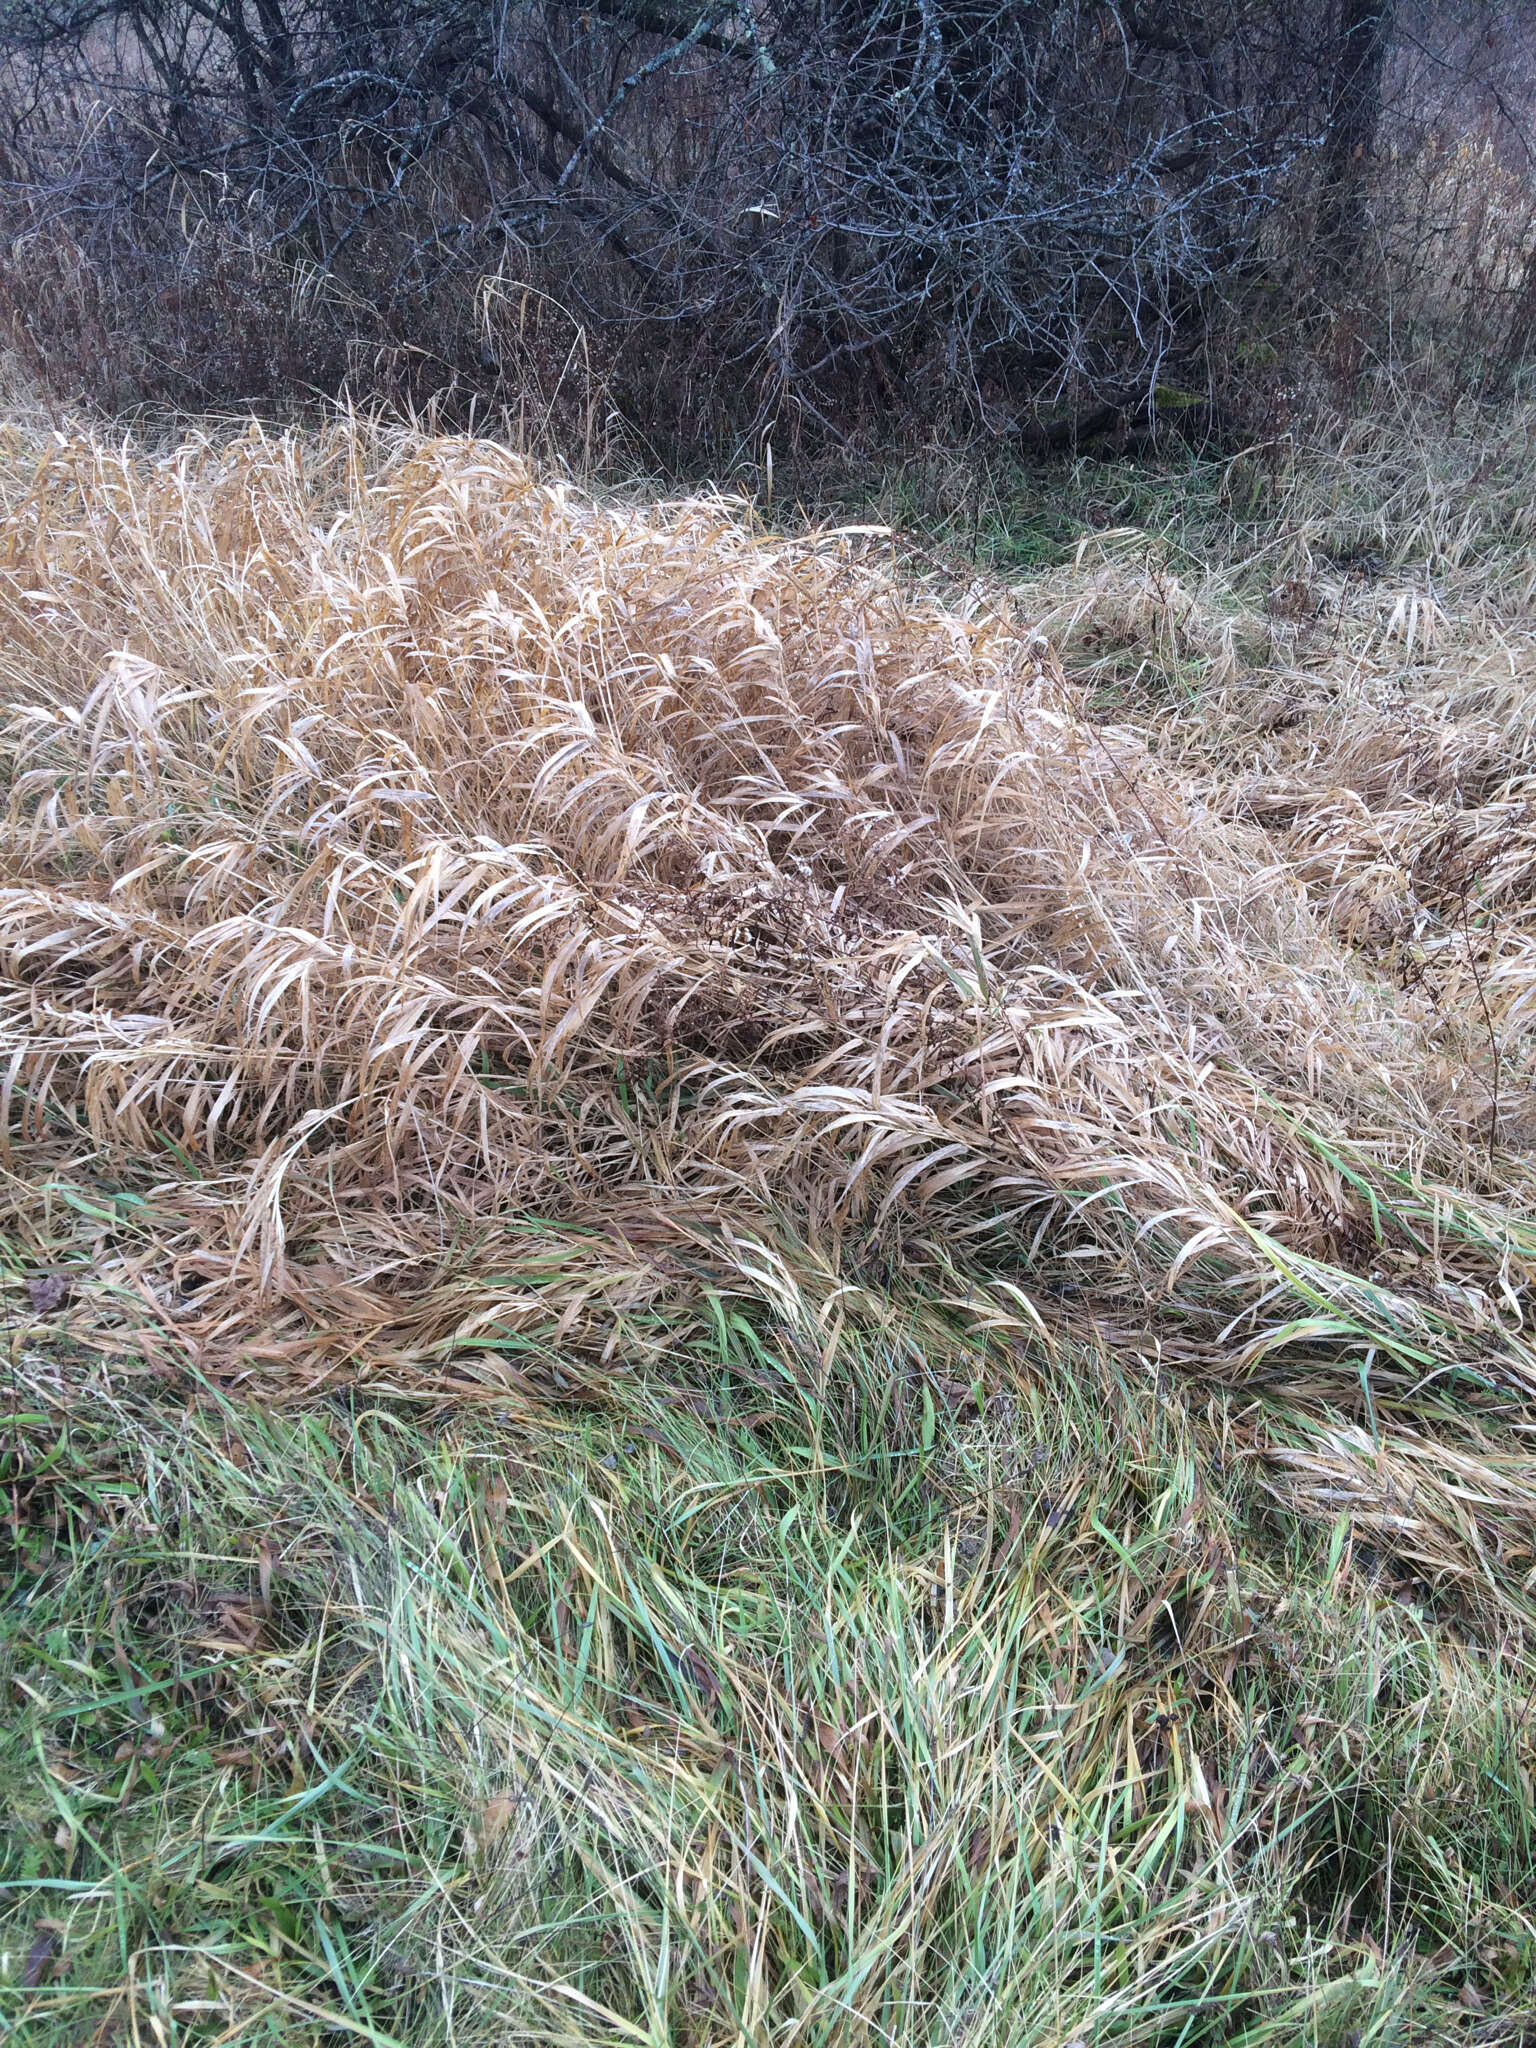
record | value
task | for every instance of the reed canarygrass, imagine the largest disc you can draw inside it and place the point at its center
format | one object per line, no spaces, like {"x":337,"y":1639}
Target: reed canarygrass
{"x":843,"y":1265}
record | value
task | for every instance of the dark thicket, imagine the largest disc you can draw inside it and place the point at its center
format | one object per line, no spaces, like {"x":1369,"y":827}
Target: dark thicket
{"x":1354,"y":117}
{"x":1027,"y":216}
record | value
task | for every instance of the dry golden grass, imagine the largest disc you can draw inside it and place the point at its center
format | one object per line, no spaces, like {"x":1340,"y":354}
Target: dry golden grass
{"x":1061,"y":1055}
{"x":399,"y":848}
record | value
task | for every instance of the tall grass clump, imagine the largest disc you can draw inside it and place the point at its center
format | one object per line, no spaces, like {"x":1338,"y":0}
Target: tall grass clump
{"x":752,"y":1302}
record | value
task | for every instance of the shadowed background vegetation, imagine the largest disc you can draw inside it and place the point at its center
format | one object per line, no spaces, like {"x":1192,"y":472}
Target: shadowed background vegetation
{"x":666,"y":236}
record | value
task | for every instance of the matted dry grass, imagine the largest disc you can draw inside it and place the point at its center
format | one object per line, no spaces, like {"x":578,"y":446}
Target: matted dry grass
{"x":461,"y":939}
{"x":399,"y":848}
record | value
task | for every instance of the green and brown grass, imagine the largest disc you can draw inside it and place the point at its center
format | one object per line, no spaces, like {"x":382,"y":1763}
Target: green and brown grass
{"x":760,"y":1291}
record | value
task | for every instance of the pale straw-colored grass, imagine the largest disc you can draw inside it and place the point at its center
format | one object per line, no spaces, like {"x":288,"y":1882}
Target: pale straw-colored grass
{"x":977,"y":1152}
{"x":398,"y":847}
{"x":400,"y":850}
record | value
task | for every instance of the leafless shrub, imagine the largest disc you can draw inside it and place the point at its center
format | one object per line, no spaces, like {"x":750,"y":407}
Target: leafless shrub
{"x":1033,"y":219}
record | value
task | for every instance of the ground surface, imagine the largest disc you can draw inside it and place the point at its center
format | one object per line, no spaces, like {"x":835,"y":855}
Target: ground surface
{"x":768,"y":1290}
